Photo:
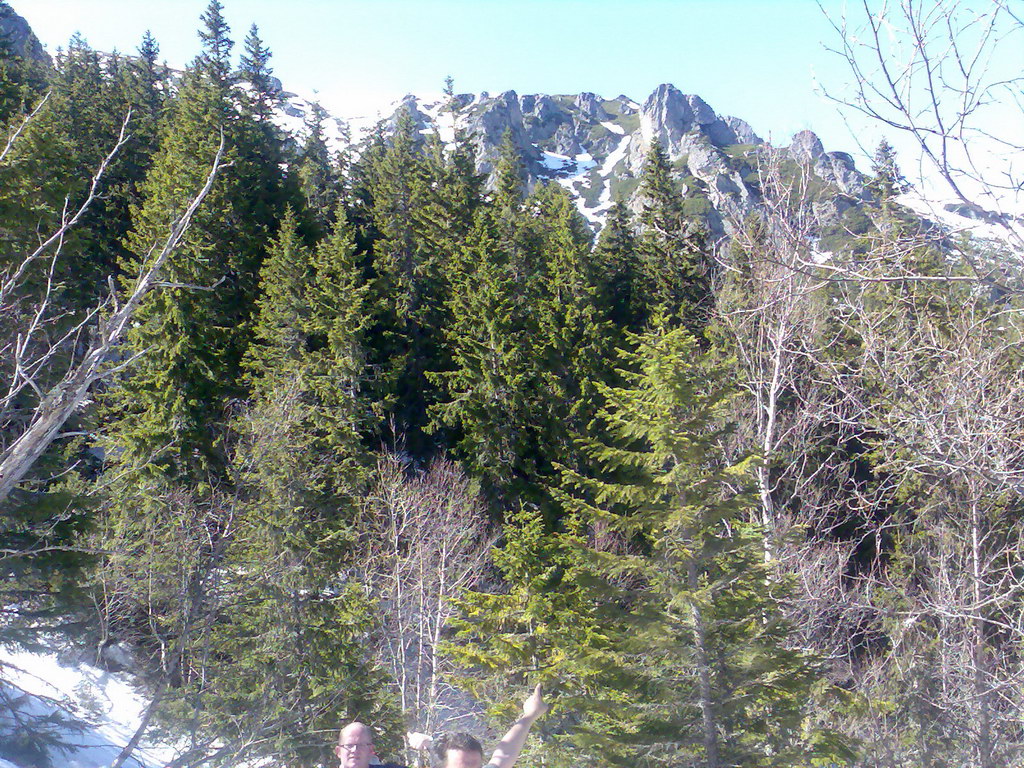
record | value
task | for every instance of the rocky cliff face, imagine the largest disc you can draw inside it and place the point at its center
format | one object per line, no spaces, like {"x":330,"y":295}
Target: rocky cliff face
{"x":16,"y":33}
{"x":595,"y":147}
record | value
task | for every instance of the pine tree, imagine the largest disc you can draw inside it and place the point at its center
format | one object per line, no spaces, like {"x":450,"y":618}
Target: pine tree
{"x":886,"y":180}
{"x":215,"y":60}
{"x":526,"y":339}
{"x":410,"y":287}
{"x":287,"y":650}
{"x":338,"y":331}
{"x":263,"y":94}
{"x":46,"y":176}
{"x":487,"y":395}
{"x":192,"y":335}
{"x":675,"y":272}
{"x":532,"y":630}
{"x":51,"y":166}
{"x":171,"y":497}
{"x":616,"y":262}
{"x":279,"y":334}
{"x":570,"y":344}
{"x":143,"y":87}
{"x":452,"y":196}
{"x":681,"y":584}
{"x":265,"y":189}
{"x":463,"y":190}
{"x":319,"y":174}
{"x":518,"y":237}
{"x":886,"y":183}
{"x":188,"y":335}
{"x":491,"y":380}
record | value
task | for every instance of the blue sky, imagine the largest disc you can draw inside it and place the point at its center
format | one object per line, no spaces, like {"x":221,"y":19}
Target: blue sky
{"x":756,"y":59}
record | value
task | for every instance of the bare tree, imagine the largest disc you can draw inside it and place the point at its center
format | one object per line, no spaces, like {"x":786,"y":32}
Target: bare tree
{"x":427,"y":540}
{"x":942,"y":387}
{"x":34,"y":353}
{"x":766,"y":302}
{"x":898,"y":348}
{"x":946,"y":75}
{"x":949,"y":408}
{"x":777,"y":302}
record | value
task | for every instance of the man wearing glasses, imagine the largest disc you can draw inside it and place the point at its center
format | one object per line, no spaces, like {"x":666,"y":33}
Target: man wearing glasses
{"x":355,"y":747}
{"x":355,"y":744}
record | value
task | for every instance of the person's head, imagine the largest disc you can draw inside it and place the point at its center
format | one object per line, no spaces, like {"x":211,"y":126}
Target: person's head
{"x":460,"y":750}
{"x":355,"y":746}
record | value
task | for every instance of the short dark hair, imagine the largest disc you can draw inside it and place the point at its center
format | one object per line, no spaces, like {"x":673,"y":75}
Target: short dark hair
{"x":460,"y":741}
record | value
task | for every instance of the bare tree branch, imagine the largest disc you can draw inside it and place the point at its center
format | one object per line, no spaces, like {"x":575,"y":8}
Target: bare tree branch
{"x":68,"y":394}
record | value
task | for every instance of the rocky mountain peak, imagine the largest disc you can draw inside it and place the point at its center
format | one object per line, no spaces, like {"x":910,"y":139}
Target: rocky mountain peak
{"x":836,"y":168}
{"x":595,"y":147}
{"x":678,"y":120}
{"x":806,"y":147}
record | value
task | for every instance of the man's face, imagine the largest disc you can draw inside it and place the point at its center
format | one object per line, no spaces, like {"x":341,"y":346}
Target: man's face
{"x":355,"y":745}
{"x":457,"y":758}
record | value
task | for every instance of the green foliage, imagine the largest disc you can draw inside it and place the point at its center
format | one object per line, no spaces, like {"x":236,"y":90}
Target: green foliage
{"x":410,"y":286}
{"x":654,"y":615}
{"x":675,"y":271}
{"x":262,"y":95}
{"x":540,"y":628}
{"x":215,"y":60}
{"x":46,"y":173}
{"x":695,"y":207}
{"x":191,"y":336}
{"x":616,"y":264}
{"x":188,"y":335}
{"x":318,"y":309}
{"x":688,"y":597}
{"x":526,"y":338}
{"x":319,"y":174}
{"x":491,"y":385}
{"x":887,"y":180}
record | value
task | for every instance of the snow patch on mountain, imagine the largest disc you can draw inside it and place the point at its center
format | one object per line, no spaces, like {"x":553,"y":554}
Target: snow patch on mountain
{"x":567,"y":168}
{"x":615,"y":157}
{"x":951,"y":214}
{"x":292,"y":114}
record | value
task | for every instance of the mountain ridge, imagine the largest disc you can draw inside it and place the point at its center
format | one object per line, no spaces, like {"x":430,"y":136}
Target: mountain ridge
{"x":595,"y":147}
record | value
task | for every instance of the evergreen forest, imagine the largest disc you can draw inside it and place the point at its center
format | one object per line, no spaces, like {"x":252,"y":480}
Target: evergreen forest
{"x":314,"y":436}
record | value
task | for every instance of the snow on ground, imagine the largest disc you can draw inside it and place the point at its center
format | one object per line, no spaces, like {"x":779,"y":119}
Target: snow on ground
{"x":936,"y":211}
{"x":554,"y":162}
{"x":573,"y":174}
{"x":613,"y":127}
{"x":433,"y":107}
{"x":102,"y":704}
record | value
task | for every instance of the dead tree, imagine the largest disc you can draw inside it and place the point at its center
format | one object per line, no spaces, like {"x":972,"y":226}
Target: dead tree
{"x":427,"y":541}
{"x":104,"y":327}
